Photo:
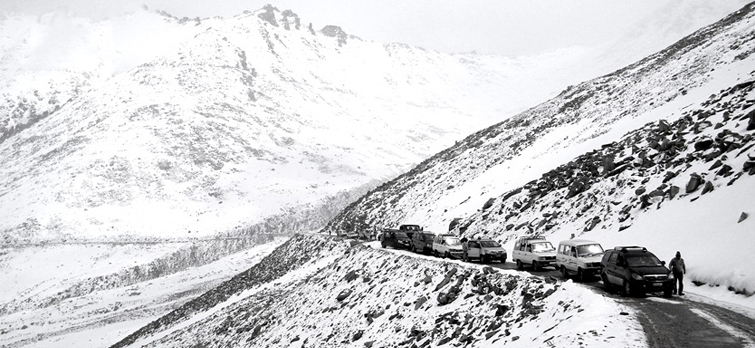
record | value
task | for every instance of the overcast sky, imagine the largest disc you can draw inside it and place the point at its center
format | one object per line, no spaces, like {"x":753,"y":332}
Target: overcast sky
{"x":486,"y":26}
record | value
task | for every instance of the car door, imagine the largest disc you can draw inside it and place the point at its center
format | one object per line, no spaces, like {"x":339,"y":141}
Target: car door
{"x":613,"y":271}
{"x":474,"y":249}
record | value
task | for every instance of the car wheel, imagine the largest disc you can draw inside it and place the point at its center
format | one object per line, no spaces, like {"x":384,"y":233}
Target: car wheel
{"x":382,"y":244}
{"x":484,"y":259}
{"x":580,"y":275}
{"x":519,"y":264}
{"x":535,"y":266}
{"x":503,"y":259}
{"x":447,"y":255}
{"x":667,"y":292}
{"x":564,"y":273}
{"x":606,"y":284}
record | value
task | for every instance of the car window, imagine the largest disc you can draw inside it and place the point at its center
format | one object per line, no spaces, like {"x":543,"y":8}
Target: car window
{"x":428,"y":237}
{"x":613,"y":257}
{"x":589,"y":250}
{"x":474,"y":244}
{"x":542,"y":247}
{"x":401,"y":235}
{"x":489,"y":244}
{"x":452,"y":241}
{"x":644,"y":260}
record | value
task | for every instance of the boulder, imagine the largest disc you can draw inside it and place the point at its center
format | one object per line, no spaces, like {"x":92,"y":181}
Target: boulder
{"x":591,"y":223}
{"x":420,"y":301}
{"x":742,"y":217}
{"x":707,"y":188}
{"x":343,"y":295}
{"x":673,"y":191}
{"x":694,"y":182}
{"x":704,"y":144}
{"x":725,"y":170}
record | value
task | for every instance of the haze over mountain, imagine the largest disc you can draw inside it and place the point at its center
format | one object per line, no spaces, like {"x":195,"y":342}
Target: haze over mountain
{"x":152,"y":125}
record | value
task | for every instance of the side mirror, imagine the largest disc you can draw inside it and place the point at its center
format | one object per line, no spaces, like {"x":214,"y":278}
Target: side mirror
{"x":663,"y":263}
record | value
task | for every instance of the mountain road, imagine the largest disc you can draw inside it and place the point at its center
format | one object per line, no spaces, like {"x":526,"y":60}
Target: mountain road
{"x":676,"y":321}
{"x":668,"y":322}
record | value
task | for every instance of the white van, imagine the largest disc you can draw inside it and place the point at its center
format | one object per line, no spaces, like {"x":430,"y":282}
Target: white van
{"x":579,"y":256}
{"x":535,"y":251}
{"x":447,"y":246}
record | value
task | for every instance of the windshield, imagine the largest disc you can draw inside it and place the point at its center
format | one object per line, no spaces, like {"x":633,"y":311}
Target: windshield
{"x":452,"y":241}
{"x":542,"y":247}
{"x":428,"y":237}
{"x":489,"y":244}
{"x":643,"y":261}
{"x":589,"y":250}
{"x":401,"y":235}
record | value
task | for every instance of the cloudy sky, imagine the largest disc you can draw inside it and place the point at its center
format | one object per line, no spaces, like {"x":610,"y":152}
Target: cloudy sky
{"x":487,"y":26}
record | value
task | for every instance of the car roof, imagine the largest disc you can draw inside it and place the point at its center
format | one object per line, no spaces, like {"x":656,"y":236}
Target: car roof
{"x":576,"y":242}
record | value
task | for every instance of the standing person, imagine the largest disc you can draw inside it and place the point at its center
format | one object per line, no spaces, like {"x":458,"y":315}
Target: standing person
{"x":465,"y":249}
{"x":679,"y":269}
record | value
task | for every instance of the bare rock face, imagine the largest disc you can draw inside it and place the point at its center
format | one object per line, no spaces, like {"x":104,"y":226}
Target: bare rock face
{"x":335,"y":31}
{"x":269,"y":15}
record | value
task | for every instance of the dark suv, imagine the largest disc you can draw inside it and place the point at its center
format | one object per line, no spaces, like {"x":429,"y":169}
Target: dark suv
{"x":395,"y":239}
{"x":635,"y":270}
{"x":422,"y":242}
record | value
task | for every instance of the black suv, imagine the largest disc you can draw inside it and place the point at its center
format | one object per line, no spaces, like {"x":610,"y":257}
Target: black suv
{"x":395,"y":239}
{"x":422,"y":242}
{"x":635,"y":270}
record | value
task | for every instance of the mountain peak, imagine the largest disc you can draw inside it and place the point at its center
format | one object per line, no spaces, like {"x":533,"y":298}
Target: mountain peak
{"x":335,"y":31}
{"x":286,"y":19}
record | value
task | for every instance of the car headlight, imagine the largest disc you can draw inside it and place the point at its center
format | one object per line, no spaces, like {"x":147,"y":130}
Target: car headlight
{"x":636,"y":276}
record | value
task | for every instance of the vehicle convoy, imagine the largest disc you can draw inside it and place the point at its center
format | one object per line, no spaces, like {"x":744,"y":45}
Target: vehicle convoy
{"x":395,"y":239}
{"x":486,"y":250}
{"x":422,"y":242}
{"x":635,"y":270}
{"x":579,"y":257}
{"x":447,"y":245}
{"x":535,"y":251}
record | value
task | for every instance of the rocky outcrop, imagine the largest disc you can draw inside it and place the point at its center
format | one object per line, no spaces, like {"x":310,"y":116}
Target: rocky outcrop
{"x":336,"y":32}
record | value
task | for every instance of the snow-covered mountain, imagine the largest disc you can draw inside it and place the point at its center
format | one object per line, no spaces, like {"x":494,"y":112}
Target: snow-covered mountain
{"x":599,"y":160}
{"x":154,"y":125}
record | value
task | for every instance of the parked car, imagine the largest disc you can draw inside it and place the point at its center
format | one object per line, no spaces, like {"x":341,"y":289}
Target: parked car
{"x":579,"y":257}
{"x":447,"y":245}
{"x":395,"y":239}
{"x":635,"y":270}
{"x":412,"y":228}
{"x":535,"y":251}
{"x":487,"y":250}
{"x":422,"y":242}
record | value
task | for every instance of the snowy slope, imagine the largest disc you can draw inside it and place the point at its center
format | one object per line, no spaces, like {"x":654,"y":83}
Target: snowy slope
{"x":215,"y":123}
{"x":595,"y":159}
{"x":366,"y":297}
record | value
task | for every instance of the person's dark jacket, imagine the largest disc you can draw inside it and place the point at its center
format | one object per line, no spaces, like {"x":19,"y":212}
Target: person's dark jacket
{"x":677,"y":266}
